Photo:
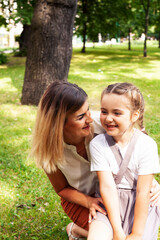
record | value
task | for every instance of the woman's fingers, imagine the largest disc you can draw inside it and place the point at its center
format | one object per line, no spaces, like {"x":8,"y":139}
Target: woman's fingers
{"x":100,"y":209}
{"x":155,"y":194}
{"x":90,"y":218}
{"x":100,"y":200}
{"x":155,"y":199}
{"x":92,"y":215}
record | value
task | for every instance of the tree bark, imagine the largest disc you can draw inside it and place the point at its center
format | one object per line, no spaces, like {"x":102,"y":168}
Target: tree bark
{"x":24,"y":38}
{"x":129,"y":39}
{"x":84,"y":9}
{"x":146,"y":9}
{"x":146,"y":32}
{"x":84,"y":37}
{"x":50,"y":48}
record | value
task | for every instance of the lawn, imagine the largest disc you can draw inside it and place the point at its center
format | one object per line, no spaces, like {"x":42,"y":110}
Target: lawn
{"x":30,"y":209}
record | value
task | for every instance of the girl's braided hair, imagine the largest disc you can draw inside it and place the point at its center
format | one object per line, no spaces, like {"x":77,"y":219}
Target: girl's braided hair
{"x":133,"y":94}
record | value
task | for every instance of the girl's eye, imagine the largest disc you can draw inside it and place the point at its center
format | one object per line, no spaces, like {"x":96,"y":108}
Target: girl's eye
{"x":103,"y":112}
{"x":117,"y":113}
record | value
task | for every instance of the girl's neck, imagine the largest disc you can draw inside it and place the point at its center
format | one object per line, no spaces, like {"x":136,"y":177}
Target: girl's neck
{"x":124,"y":139}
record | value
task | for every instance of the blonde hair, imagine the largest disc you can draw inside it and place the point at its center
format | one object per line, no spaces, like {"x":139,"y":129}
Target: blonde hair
{"x":133,"y":94}
{"x":60,"y":99}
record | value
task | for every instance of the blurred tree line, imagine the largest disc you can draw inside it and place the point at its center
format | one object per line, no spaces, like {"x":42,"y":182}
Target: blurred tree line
{"x":48,"y":28}
{"x":116,"y":19}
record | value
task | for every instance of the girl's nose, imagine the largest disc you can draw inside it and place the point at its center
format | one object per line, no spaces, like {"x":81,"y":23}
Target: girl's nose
{"x":108,"y":118}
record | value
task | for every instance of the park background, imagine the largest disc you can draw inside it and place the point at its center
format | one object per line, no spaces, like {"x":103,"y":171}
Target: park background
{"x":29,"y":207}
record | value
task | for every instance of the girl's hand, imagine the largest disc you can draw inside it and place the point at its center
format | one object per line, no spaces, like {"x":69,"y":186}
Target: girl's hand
{"x":133,"y":237}
{"x":155,"y":194}
{"x":93,"y":205}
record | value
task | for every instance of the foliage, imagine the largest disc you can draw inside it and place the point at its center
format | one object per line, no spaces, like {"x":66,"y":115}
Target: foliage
{"x":30,"y":209}
{"x":19,"y":10}
{"x":98,"y":17}
{"x":3,"y":58}
{"x":24,"y":11}
{"x":3,"y":21}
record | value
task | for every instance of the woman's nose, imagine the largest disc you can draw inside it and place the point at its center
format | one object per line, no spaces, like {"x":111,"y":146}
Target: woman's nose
{"x":89,"y":118}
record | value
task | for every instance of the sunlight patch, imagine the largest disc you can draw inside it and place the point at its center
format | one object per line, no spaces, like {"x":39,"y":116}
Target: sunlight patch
{"x":3,"y":67}
{"x":6,"y":192}
{"x":6,"y":84}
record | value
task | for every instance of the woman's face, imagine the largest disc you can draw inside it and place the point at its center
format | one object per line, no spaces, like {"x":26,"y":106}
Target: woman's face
{"x":77,"y":125}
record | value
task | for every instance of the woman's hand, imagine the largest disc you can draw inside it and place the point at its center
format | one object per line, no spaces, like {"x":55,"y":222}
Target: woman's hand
{"x":155,"y":194}
{"x":93,"y":205}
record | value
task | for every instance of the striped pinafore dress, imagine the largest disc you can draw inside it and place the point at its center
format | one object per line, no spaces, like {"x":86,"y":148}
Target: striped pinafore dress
{"x":127,"y":197}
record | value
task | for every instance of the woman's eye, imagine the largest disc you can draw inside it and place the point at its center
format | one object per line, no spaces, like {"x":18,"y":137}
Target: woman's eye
{"x":81,"y":117}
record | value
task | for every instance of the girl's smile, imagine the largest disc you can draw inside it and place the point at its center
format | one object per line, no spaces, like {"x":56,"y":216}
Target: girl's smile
{"x":116,"y":117}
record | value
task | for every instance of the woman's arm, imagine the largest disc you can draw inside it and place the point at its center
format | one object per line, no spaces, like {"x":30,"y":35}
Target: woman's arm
{"x":64,"y":190}
{"x":109,"y":195}
{"x":141,"y":206}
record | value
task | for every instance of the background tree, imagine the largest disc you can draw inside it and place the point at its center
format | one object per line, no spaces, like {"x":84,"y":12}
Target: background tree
{"x":23,"y":14}
{"x":3,"y":21}
{"x":156,"y":21}
{"x":86,"y":21}
{"x":19,"y":11}
{"x":50,"y":49}
{"x":144,"y":10}
{"x":146,"y":7}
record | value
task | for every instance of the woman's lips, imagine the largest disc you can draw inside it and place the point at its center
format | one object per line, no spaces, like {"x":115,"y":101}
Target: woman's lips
{"x":87,"y":127}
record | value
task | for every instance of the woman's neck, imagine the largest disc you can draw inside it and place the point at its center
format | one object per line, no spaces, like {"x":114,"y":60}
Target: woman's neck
{"x":74,"y":142}
{"x":81,"y":149}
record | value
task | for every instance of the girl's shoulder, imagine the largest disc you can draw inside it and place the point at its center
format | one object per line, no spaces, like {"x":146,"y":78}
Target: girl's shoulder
{"x":146,"y":138}
{"x":145,"y":141}
{"x":99,"y":140}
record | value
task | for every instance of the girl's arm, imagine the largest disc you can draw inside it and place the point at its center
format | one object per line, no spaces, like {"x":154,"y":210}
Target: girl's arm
{"x":141,"y":206}
{"x":155,"y":193}
{"x":64,"y":190}
{"x":109,"y":195}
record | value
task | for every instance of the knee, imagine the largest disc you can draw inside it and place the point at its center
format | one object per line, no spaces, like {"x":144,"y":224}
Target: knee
{"x":99,"y":230}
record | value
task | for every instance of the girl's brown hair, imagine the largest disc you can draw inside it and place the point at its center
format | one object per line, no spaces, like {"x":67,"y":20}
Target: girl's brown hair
{"x":58,"y":100}
{"x":132,"y":93}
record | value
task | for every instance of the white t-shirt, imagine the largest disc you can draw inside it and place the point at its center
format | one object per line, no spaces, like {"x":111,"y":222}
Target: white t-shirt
{"x":144,"y":159}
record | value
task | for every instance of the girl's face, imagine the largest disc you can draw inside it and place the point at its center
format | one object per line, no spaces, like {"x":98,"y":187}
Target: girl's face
{"x":77,"y":125}
{"x":116,"y":116}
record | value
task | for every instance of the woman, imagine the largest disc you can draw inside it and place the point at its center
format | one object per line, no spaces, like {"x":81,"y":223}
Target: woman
{"x":62,"y":132}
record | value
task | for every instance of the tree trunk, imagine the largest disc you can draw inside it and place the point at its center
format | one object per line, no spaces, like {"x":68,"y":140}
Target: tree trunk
{"x":84,"y":9}
{"x":146,"y":26}
{"x":24,"y":38}
{"x":129,"y":39}
{"x":84,"y":37}
{"x":50,"y":47}
{"x":146,"y":32}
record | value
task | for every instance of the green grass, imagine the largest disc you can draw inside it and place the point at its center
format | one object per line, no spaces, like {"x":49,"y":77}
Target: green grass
{"x":29,"y":207}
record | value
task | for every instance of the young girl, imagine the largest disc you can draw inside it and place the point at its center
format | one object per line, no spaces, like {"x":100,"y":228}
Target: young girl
{"x":125,"y":160}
